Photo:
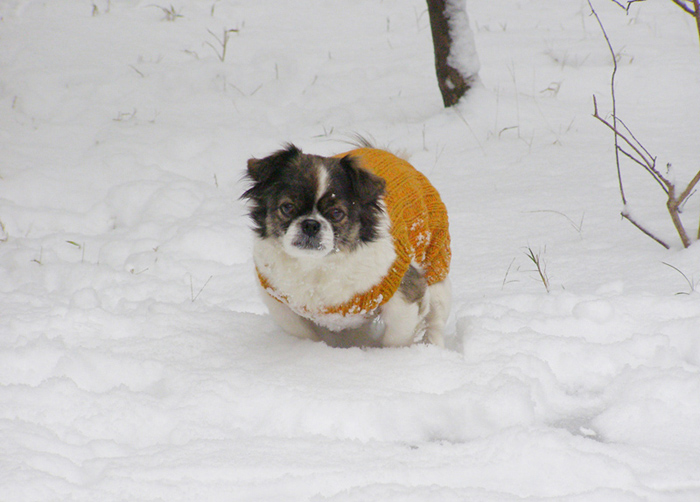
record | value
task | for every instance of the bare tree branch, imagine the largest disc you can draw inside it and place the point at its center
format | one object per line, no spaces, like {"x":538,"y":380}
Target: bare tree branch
{"x":685,"y":7}
{"x":638,"y":153}
{"x":693,"y":11}
{"x":672,"y":205}
{"x":689,"y":188}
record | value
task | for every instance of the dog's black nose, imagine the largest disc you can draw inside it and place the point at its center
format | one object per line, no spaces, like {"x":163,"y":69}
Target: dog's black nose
{"x":310,"y":227}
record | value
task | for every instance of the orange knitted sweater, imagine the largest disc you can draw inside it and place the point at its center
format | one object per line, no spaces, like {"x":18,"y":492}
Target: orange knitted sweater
{"x":419,"y":228}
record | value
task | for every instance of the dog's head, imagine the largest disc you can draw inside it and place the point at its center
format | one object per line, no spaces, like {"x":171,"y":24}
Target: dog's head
{"x":314,"y":205}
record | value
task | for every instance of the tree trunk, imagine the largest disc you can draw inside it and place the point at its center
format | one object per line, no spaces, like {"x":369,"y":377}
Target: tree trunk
{"x":456,"y":64}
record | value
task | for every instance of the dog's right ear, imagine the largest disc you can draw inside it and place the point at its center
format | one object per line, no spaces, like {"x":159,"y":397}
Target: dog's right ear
{"x":366,"y":186}
{"x":261,"y":170}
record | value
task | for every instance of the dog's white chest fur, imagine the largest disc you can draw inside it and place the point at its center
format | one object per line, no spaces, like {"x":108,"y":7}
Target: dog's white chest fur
{"x":312,"y":285}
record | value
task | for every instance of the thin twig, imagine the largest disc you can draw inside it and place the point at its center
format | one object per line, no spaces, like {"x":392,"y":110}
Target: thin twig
{"x":629,"y":4}
{"x":646,"y":232}
{"x":650,"y":169}
{"x":614,"y":103}
{"x":647,"y":163}
{"x":650,"y":159}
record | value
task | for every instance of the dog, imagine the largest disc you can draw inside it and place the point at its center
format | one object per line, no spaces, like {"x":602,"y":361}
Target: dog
{"x":352,"y":250}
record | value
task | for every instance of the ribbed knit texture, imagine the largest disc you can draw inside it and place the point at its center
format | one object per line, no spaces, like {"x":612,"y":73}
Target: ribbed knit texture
{"x":419,"y":227}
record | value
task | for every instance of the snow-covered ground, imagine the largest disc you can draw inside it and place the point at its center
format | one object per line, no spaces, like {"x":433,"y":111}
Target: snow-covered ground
{"x":136,"y":359}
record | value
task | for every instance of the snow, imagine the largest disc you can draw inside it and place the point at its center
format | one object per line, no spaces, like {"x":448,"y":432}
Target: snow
{"x":463,"y":54}
{"x":137,"y":361}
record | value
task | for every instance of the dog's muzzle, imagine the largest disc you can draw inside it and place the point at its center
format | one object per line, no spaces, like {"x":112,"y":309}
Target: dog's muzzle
{"x":309,"y":237}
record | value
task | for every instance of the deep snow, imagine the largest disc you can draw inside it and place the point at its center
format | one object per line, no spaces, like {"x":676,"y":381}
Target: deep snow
{"x":136,"y":359}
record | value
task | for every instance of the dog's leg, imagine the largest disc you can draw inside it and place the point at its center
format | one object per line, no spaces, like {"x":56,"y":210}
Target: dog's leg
{"x":401,"y":319}
{"x":403,"y":314}
{"x":440,"y":295}
{"x":289,"y":321}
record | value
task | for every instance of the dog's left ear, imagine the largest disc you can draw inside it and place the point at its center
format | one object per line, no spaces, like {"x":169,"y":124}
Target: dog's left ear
{"x":261,"y":170}
{"x":368,"y":187}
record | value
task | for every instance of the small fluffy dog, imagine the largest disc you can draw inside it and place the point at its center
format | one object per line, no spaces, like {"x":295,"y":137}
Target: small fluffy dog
{"x":353,"y":249}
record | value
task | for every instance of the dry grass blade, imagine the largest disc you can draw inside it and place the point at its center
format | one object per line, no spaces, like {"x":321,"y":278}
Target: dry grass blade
{"x":223,"y":43}
{"x":692,"y":284}
{"x":540,"y":266}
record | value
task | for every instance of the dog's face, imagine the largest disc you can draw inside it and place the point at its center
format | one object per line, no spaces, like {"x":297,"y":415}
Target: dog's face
{"x":314,"y":205}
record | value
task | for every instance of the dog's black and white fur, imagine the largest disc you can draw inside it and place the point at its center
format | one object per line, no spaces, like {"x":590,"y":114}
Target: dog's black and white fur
{"x":323,"y":236}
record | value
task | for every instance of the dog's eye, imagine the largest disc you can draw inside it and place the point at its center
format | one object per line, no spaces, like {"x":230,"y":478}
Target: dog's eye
{"x":286,"y":209}
{"x":335,"y":215}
